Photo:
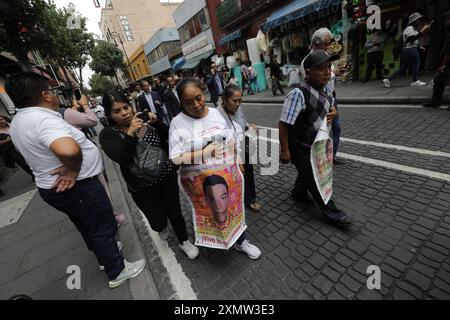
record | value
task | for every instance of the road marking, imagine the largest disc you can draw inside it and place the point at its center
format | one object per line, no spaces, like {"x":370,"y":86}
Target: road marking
{"x":398,"y":147}
{"x":399,"y":167}
{"x":385,"y":106}
{"x":385,"y":164}
{"x":180,"y":282}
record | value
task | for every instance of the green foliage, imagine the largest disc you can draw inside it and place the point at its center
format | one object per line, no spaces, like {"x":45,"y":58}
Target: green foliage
{"x":106,"y":58}
{"x":99,"y":84}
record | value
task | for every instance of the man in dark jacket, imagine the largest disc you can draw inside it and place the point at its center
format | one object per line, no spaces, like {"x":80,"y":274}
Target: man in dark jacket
{"x":276,"y":75}
{"x":215,"y":83}
{"x":443,"y":70}
{"x":171,"y":99}
{"x":150,"y":100}
{"x":159,"y":87}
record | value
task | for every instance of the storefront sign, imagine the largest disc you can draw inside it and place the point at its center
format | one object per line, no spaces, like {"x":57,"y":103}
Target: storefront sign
{"x":126,"y":28}
{"x":313,"y":17}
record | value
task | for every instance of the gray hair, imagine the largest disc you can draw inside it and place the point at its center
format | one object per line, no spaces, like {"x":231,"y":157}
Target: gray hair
{"x":318,"y":35}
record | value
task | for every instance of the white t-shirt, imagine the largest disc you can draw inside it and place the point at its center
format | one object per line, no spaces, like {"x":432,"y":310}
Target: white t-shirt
{"x":188,"y":134}
{"x":409,"y":32}
{"x":34,"y":129}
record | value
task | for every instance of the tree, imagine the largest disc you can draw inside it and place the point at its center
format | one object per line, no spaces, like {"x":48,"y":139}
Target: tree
{"x":22,"y":27}
{"x":106,"y":59}
{"x":100,"y":84}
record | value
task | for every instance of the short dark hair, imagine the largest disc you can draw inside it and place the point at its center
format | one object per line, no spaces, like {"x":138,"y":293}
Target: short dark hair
{"x":213,"y":180}
{"x":25,"y":89}
{"x":187,"y":82}
{"x":108,"y":101}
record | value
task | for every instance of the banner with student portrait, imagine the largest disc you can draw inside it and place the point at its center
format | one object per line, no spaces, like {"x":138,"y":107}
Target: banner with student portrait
{"x":322,"y":162}
{"x":215,"y":192}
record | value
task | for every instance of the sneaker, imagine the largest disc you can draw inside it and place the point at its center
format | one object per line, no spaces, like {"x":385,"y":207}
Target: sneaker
{"x":120,"y":218}
{"x":417,"y":84}
{"x":164,"y":235}
{"x":189,"y":249}
{"x":252,"y":251}
{"x":131,"y":270}
{"x":119,"y":245}
{"x":387,"y":83}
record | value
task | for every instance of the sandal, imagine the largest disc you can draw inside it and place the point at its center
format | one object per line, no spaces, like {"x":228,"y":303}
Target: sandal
{"x":255,"y":207}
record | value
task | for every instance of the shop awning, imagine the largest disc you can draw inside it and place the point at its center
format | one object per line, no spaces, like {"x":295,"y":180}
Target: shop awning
{"x":230,"y":37}
{"x":294,"y":11}
{"x":178,"y":63}
{"x":191,"y":64}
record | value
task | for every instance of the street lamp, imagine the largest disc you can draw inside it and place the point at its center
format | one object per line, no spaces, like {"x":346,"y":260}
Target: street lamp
{"x":115,"y":35}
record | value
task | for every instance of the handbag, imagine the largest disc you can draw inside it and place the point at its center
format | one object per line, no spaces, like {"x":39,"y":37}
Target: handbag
{"x":148,"y":161}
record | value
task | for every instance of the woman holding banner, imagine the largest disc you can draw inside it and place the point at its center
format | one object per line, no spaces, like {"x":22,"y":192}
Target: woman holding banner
{"x":203,"y":145}
{"x":236,"y":121}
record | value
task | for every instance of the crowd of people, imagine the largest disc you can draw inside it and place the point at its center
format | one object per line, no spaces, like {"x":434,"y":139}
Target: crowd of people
{"x":165,"y":127}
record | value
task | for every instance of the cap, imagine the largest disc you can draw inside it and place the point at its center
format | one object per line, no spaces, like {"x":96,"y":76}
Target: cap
{"x":414,"y":17}
{"x":317,"y":57}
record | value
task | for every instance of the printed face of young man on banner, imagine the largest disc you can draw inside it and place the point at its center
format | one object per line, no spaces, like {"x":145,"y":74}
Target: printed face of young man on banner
{"x":215,"y":189}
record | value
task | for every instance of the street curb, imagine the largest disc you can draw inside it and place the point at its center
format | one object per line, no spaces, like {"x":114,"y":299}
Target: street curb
{"x":144,"y":286}
{"x":158,"y":274}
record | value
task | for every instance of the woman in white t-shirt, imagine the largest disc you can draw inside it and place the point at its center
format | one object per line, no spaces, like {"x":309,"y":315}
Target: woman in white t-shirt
{"x":198,"y":135}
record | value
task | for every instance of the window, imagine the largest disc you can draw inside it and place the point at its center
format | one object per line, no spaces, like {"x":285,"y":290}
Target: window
{"x":203,"y":20}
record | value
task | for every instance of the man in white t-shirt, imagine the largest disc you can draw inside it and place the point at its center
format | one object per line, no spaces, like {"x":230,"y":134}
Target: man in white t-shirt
{"x":66,"y":165}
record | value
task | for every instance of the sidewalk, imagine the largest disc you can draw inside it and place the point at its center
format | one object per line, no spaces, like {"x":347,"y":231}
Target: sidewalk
{"x":36,"y":251}
{"x":372,"y":92}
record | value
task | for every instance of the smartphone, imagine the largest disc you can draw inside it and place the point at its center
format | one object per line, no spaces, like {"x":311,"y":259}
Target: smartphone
{"x":77,"y":93}
{"x":144,"y":116}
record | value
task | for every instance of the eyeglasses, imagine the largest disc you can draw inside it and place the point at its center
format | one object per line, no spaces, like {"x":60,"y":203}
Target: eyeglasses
{"x":55,"y":91}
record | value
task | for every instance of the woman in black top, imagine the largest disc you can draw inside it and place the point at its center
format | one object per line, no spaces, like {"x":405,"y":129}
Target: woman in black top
{"x":160,"y":199}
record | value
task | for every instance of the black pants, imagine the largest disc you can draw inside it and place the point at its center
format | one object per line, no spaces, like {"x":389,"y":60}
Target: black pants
{"x":439,"y":84}
{"x":374,"y":59}
{"x":162,"y":201}
{"x":89,"y":208}
{"x":276,"y":85}
{"x":305,"y":182}
{"x":249,"y":184}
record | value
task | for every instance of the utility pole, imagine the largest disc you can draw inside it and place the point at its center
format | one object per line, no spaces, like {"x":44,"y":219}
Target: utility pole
{"x":117,"y":35}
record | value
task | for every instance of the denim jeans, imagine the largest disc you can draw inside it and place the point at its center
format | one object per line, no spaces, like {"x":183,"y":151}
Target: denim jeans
{"x":89,"y":208}
{"x":411,"y":61}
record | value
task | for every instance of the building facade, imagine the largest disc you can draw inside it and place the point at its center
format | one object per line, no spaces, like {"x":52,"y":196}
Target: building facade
{"x":162,"y":49}
{"x":196,"y":36}
{"x":133,"y":22}
{"x":139,"y":67}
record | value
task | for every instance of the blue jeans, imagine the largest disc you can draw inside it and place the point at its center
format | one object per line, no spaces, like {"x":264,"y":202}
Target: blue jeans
{"x":89,"y":208}
{"x":411,"y":61}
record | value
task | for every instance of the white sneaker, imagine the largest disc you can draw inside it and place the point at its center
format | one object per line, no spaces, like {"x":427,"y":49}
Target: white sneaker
{"x":189,"y":249}
{"x":387,"y":83}
{"x":418,"y":83}
{"x":164,"y":235}
{"x":119,"y":245}
{"x":131,"y":270}
{"x":252,"y":251}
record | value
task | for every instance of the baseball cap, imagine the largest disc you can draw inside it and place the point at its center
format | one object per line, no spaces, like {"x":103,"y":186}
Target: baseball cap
{"x":318,"y":57}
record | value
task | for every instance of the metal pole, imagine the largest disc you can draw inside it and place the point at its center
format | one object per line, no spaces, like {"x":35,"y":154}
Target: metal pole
{"x":115,"y":34}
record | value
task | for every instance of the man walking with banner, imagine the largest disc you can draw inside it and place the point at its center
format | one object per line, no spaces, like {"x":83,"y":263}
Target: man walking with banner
{"x":304,"y":136}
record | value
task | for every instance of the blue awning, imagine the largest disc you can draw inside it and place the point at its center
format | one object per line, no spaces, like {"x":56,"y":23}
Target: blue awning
{"x":230,"y":37}
{"x":296,"y":10}
{"x":178,"y":64}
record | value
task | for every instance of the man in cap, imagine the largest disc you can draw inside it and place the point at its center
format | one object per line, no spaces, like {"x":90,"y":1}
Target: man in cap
{"x":410,"y":53}
{"x":304,"y":110}
{"x":443,"y":70}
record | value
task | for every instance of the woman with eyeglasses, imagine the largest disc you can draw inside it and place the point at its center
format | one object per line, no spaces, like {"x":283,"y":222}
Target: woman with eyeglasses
{"x":158,"y":200}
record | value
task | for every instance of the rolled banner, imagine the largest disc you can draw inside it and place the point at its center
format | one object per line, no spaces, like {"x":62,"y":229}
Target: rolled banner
{"x":322,"y":162}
